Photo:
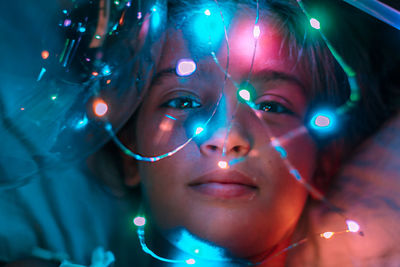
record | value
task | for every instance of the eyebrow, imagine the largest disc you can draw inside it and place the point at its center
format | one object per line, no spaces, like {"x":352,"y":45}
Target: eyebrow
{"x":268,"y":75}
{"x":164,"y":73}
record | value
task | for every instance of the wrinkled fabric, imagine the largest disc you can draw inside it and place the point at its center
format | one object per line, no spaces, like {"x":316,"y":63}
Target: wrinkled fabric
{"x":67,"y":212}
{"x":368,"y":192}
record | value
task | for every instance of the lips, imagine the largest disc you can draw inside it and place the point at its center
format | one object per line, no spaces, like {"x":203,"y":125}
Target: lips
{"x":224,"y":185}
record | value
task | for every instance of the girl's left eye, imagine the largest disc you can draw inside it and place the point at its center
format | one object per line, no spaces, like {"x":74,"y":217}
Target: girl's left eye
{"x":274,"y":107}
{"x":182,"y":103}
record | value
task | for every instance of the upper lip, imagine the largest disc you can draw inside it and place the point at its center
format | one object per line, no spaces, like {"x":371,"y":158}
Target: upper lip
{"x":224,"y":177}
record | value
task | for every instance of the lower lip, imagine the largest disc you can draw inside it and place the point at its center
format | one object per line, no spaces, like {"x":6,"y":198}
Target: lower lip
{"x":225,"y":191}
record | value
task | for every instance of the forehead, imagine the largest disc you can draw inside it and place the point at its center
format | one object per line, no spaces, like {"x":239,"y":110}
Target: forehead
{"x":243,"y":48}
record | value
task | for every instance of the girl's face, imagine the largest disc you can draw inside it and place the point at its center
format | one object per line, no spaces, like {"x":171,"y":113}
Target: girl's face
{"x":252,"y":207}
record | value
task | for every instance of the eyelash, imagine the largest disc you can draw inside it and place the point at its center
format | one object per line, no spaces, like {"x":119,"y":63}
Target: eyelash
{"x":182,"y":103}
{"x":273,"y":107}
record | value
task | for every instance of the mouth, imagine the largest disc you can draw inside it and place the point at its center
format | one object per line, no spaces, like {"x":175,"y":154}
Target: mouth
{"x":224,"y":185}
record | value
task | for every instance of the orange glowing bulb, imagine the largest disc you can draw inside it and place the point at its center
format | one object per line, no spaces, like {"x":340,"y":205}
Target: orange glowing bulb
{"x":100,"y":107}
{"x":45,"y":54}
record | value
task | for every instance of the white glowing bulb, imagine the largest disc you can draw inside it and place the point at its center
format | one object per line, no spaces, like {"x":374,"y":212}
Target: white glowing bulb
{"x":223,"y":164}
{"x":207,"y":12}
{"x":256,"y":31}
{"x":190,"y":261}
{"x":327,"y":235}
{"x":352,"y":226}
{"x":139,"y":221}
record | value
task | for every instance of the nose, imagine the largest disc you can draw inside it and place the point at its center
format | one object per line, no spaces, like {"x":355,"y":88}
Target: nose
{"x":227,"y":141}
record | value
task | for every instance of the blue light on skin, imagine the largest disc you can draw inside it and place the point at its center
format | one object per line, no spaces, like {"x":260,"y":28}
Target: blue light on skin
{"x":208,"y":27}
{"x":155,"y":18}
{"x":323,"y":121}
{"x":185,"y":67}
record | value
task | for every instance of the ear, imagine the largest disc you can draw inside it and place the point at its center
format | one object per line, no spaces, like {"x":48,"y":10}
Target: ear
{"x":130,"y":174}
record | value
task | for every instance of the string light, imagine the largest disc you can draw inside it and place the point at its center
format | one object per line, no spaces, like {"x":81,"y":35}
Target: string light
{"x":100,"y":107}
{"x":244,"y":94}
{"x":223,"y":164}
{"x":139,"y":221}
{"x":323,"y":121}
{"x":315,"y":23}
{"x":185,"y":67}
{"x":256,"y":31}
{"x":45,"y":54}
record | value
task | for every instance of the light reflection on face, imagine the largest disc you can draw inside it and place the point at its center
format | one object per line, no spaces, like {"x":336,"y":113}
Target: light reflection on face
{"x":258,"y":205}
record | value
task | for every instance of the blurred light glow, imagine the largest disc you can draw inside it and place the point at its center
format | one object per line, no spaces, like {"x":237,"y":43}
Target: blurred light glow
{"x":54,"y":97}
{"x":190,"y":261}
{"x":315,"y":24}
{"x":100,"y":107}
{"x":97,"y":36}
{"x":352,"y":226}
{"x":81,"y":29}
{"x":322,"y":121}
{"x":139,"y":221}
{"x":67,"y":22}
{"x":245,"y":94}
{"x":45,"y":54}
{"x":207,"y":12}
{"x":155,"y":18}
{"x":208,"y":27}
{"x":185,"y":67}
{"x":327,"y":235}
{"x":95,"y":73}
{"x":82,"y":123}
{"x":196,"y":251}
{"x":223,"y":164}
{"x":256,"y":31}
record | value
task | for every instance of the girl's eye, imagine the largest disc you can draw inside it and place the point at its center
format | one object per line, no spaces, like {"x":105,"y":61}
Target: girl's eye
{"x":274,"y":107}
{"x":182,"y":103}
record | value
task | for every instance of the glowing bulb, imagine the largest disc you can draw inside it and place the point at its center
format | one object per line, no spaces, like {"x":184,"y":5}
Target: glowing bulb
{"x":199,"y":130}
{"x":54,"y":97}
{"x":244,"y":94}
{"x":352,"y":226}
{"x":45,"y":54}
{"x":223,"y":164}
{"x":207,"y":12}
{"x":327,"y":235}
{"x":196,"y":251}
{"x":256,"y":31}
{"x":95,"y":73}
{"x":100,"y":107}
{"x":97,"y":36}
{"x":323,"y":121}
{"x":82,"y":29}
{"x":139,"y":221}
{"x":185,"y":67}
{"x":190,"y":261}
{"x":315,"y":23}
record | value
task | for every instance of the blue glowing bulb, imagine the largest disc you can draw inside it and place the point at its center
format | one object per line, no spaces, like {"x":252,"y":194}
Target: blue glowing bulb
{"x":155,"y":18}
{"x":315,"y":24}
{"x":199,"y":130}
{"x":323,"y":121}
{"x":185,"y":67}
{"x":245,"y":94}
{"x":139,"y":221}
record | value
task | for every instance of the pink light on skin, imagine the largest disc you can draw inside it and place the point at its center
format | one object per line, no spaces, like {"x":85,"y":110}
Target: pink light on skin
{"x":190,"y":261}
{"x":223,"y":164}
{"x":100,"y":108}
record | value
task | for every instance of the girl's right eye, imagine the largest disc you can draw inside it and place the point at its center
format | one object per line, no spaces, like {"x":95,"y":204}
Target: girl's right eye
{"x":182,"y":103}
